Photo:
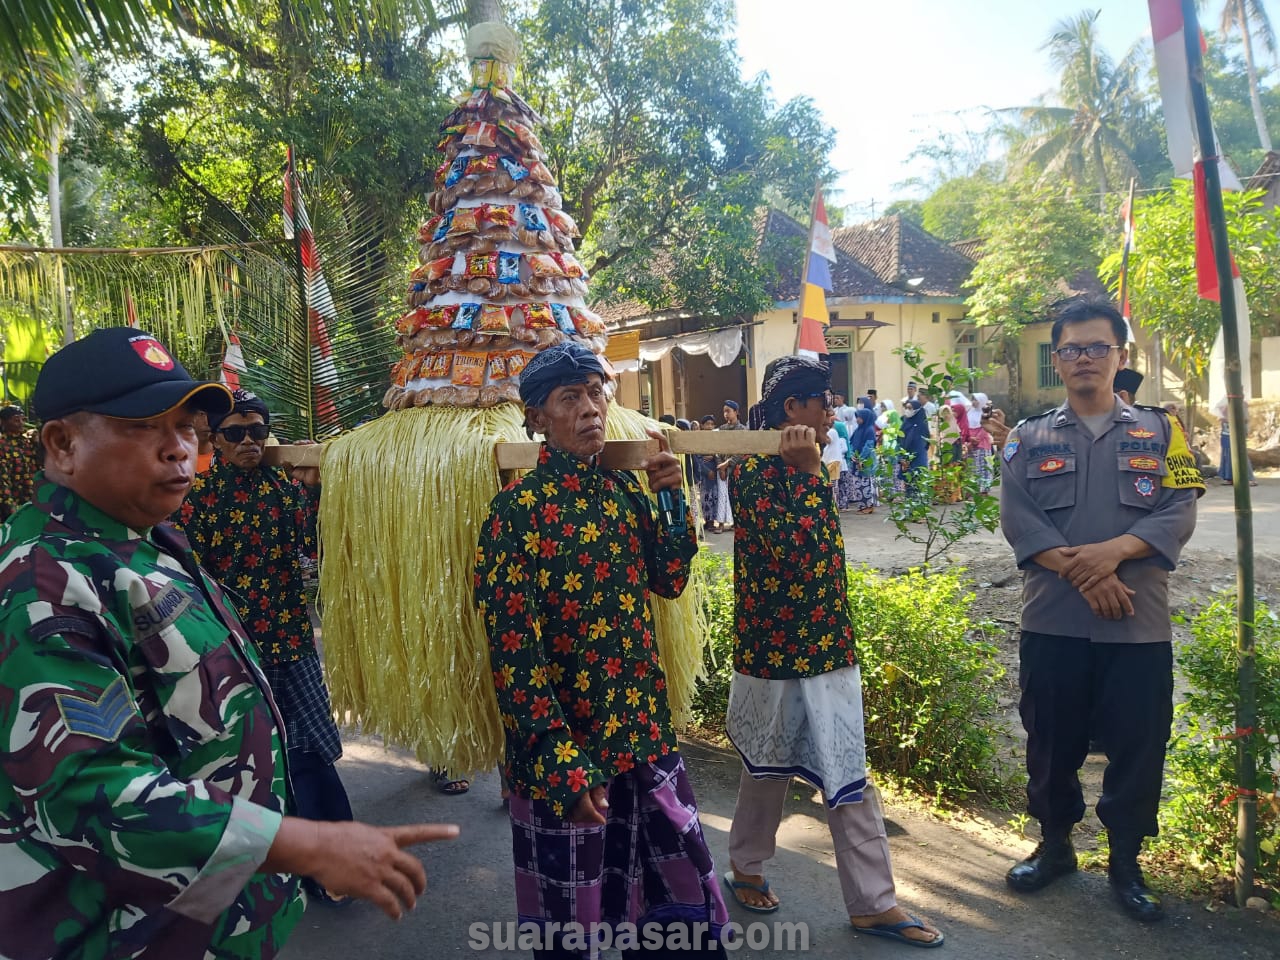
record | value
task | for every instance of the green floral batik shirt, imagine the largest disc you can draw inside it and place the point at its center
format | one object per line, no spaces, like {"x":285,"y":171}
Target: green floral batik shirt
{"x":791,"y":606}
{"x":563,"y":573}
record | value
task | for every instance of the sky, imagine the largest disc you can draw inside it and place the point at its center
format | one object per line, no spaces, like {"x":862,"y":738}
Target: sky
{"x":891,"y":74}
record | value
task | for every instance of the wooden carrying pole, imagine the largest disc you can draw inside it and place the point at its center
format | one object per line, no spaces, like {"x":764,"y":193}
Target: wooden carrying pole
{"x":1246,"y":681}
{"x":617,"y":455}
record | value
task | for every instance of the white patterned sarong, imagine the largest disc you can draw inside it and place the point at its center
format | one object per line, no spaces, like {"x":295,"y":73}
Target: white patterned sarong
{"x":809,"y":728}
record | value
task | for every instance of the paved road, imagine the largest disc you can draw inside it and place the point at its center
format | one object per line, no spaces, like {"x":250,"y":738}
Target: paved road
{"x":952,"y":872}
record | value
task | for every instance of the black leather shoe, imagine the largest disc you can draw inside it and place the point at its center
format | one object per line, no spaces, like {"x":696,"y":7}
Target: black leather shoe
{"x":1133,"y":894}
{"x":1050,"y":860}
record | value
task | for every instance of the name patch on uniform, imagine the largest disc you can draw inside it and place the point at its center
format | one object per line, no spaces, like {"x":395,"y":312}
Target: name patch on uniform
{"x":1010,"y":449}
{"x":1047,"y":449}
{"x":165,"y":607}
{"x":1052,"y":465}
{"x":1143,"y":463}
{"x":1145,"y":486}
{"x":1142,"y":434}
{"x":102,"y":718}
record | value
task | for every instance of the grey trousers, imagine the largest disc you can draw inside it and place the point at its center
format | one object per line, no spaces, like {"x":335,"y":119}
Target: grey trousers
{"x":861,"y":844}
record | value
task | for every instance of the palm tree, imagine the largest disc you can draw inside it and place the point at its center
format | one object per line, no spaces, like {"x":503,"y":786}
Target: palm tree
{"x":1248,"y":16}
{"x":1085,"y":138}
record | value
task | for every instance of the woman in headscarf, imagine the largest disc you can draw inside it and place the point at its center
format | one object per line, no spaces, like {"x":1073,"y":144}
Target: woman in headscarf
{"x":846,"y":484}
{"x":978,"y":442}
{"x":889,"y":423}
{"x":862,"y":450}
{"x":714,"y":492}
{"x":915,"y":446}
{"x":834,"y":451}
{"x":950,"y":456}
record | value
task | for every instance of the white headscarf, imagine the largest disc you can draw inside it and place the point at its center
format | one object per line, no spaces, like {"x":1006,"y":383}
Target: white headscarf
{"x":974,"y":413}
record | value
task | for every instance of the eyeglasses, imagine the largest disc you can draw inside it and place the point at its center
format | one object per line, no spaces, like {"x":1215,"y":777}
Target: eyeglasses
{"x":236,"y":434}
{"x":828,"y":401}
{"x":1094,"y":351}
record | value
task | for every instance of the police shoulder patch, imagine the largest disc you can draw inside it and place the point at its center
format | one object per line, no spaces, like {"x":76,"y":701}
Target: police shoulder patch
{"x":1010,"y":449}
{"x":101,"y":718}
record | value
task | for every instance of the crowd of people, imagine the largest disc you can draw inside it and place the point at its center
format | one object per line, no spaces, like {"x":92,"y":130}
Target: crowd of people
{"x":871,"y":445}
{"x":170,"y":769}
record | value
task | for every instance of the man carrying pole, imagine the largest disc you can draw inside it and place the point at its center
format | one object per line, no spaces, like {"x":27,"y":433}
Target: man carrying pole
{"x":604,"y":825}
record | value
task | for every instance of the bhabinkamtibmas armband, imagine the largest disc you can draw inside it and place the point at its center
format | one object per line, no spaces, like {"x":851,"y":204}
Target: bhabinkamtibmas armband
{"x":1183,"y":474}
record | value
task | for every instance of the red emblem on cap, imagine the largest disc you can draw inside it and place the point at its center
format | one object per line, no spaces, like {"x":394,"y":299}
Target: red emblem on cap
{"x":1052,"y":465}
{"x":1143,"y":463}
{"x":152,"y":353}
{"x":1142,"y":434}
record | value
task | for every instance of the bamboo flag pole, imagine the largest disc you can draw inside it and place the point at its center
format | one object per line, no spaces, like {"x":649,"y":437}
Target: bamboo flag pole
{"x":804,"y":267}
{"x":1246,"y":682}
{"x":1124,"y":261}
{"x":295,"y":205}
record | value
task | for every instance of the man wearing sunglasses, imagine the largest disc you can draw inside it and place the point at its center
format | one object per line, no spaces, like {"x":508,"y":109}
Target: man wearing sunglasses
{"x":250,"y":525}
{"x":1097,"y":499}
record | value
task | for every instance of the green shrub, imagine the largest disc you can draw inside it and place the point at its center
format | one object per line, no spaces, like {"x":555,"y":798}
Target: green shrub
{"x":712,"y":699}
{"x":1198,"y":816}
{"x":929,"y":678}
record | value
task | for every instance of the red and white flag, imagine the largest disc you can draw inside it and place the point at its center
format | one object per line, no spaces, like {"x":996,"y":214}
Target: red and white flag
{"x":1168,"y":33}
{"x":320,"y":306}
{"x":232,"y":363}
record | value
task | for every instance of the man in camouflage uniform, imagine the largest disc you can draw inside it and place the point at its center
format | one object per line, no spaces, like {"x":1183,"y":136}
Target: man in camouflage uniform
{"x":143,"y":797}
{"x":19,"y":460}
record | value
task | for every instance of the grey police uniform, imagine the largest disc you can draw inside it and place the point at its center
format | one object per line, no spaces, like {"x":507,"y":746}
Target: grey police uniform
{"x":1079,"y":673}
{"x":1062,"y":487}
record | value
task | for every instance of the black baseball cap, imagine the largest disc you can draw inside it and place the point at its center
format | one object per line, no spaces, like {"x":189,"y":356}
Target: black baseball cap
{"x":121,"y":372}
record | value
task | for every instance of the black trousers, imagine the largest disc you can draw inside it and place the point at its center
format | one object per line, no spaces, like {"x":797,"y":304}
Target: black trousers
{"x":318,"y":793}
{"x":1123,"y":693}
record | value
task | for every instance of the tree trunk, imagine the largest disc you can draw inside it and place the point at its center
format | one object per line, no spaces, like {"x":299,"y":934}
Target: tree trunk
{"x":484,"y":11}
{"x":1012,"y":347}
{"x":1254,"y":96}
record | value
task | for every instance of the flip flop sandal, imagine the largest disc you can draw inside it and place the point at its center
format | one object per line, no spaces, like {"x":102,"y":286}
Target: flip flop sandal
{"x":451,"y":788}
{"x":735,"y":885}
{"x":893,"y":931}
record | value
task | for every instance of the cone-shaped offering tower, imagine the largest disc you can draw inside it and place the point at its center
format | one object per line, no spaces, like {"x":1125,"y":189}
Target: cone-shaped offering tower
{"x":498,"y":279}
{"x":404,"y":496}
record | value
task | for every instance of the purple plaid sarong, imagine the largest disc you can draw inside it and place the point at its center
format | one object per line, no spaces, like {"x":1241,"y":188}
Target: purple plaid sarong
{"x":649,"y":863}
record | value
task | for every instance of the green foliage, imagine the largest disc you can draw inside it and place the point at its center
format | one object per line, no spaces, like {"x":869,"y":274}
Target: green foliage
{"x":711,"y":701}
{"x":1198,"y":816}
{"x":929,"y":678}
{"x":664,"y":155}
{"x":1038,"y":238}
{"x":938,"y":528}
{"x":1162,"y":275}
{"x":952,"y":212}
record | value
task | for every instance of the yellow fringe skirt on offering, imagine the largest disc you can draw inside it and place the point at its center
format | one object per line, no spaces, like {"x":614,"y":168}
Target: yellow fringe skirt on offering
{"x":405,"y":651}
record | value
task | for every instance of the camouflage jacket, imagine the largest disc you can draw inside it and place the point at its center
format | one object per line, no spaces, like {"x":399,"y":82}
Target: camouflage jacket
{"x":142,"y":777}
